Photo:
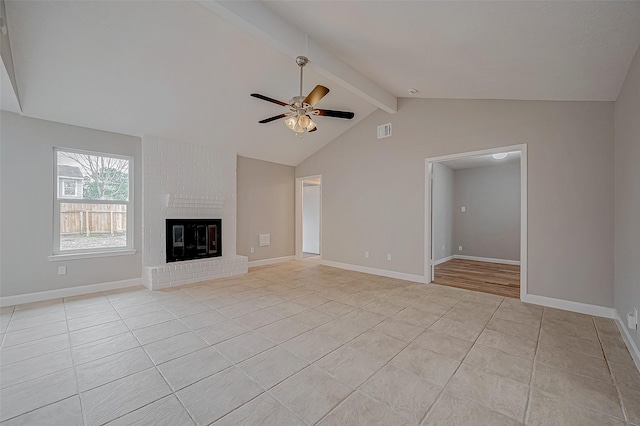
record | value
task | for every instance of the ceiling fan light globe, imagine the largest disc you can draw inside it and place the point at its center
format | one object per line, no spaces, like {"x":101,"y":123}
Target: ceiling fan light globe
{"x":298,"y":128}
{"x":291,"y":122}
{"x":311,"y":126}
{"x":304,"y":121}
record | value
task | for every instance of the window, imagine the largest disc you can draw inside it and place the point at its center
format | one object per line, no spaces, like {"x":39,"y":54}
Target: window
{"x":93,"y":203}
{"x":69,"y":188}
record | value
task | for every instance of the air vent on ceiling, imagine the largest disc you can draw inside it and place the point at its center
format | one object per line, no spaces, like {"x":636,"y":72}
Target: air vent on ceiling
{"x":384,"y":131}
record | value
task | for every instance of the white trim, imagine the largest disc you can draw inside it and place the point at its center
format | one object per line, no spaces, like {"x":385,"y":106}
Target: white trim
{"x":626,"y":336}
{"x":524,"y":207}
{"x":298,"y":214}
{"x":568,"y":305}
{"x":374,"y":271}
{"x":429,"y":243}
{"x":75,"y":256}
{"x":428,"y":263}
{"x":486,"y":259}
{"x":298,"y":218}
{"x":271,"y":261}
{"x":474,"y":153}
{"x":446,"y":259}
{"x":86,"y":201}
{"x":67,"y":292}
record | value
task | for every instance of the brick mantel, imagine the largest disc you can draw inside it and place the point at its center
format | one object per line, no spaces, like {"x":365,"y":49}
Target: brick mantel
{"x":180,"y":181}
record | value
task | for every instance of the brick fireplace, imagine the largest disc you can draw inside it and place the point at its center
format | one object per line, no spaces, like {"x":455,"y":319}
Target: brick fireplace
{"x":184,"y":181}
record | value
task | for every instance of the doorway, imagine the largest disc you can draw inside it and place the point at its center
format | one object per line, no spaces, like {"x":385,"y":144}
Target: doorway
{"x":309,"y":217}
{"x":475,"y":230}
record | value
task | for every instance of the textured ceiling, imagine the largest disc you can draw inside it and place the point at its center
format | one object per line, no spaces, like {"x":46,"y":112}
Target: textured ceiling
{"x":178,"y":70}
{"x":170,"y":69}
{"x":540,"y":50}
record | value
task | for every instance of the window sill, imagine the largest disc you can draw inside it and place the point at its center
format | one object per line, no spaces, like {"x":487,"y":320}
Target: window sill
{"x":90,"y":255}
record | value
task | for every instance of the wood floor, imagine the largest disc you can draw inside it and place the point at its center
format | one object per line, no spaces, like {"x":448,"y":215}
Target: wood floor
{"x":493,"y":278}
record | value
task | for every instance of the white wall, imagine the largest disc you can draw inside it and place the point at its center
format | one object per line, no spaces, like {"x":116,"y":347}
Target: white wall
{"x":265,"y":206}
{"x":373,"y":190}
{"x":27,"y":191}
{"x":490,"y":226}
{"x":311,"y":218}
{"x":627,"y":195}
{"x":442,"y":207}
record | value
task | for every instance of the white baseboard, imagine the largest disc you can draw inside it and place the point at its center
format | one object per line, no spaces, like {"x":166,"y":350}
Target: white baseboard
{"x":446,"y":259}
{"x":487,"y":259}
{"x":567,"y":305}
{"x":626,"y":336}
{"x":374,"y":271}
{"x":271,"y":261}
{"x":67,"y":292}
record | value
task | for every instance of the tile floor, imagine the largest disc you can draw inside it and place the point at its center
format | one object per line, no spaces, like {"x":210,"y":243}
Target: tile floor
{"x":298,"y":343}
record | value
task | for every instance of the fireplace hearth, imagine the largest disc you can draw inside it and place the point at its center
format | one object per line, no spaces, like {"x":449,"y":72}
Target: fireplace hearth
{"x":189,"y":239}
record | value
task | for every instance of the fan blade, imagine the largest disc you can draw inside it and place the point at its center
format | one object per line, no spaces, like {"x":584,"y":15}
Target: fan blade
{"x":265,"y":98}
{"x":332,"y":113}
{"x":270,"y":119}
{"x":315,"y":95}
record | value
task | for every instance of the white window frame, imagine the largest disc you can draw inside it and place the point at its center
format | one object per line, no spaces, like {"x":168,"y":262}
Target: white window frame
{"x":64,"y":188}
{"x":58,"y":199}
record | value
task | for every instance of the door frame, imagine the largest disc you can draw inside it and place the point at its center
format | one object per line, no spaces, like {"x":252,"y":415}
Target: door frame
{"x":428,"y":243}
{"x":298,"y":214}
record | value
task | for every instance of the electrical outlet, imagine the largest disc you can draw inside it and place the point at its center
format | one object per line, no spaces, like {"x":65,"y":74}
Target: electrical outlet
{"x":463,"y":209}
{"x":459,"y":248}
{"x":443,"y":247}
{"x":366,"y":254}
{"x":389,"y":256}
{"x":632,"y":319}
{"x":62,"y":270}
{"x":253,"y":249}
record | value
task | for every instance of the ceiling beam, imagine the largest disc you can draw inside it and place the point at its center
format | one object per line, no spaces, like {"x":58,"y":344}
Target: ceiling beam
{"x":258,"y":20}
{"x":10,"y":87}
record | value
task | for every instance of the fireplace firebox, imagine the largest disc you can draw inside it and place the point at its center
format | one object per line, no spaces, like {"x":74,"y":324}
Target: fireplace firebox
{"x":189,"y":239}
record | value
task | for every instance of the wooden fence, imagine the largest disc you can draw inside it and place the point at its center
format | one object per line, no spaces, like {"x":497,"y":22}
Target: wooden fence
{"x":92,"y":218}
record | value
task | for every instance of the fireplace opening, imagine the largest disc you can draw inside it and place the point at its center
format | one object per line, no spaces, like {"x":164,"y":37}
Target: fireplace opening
{"x":189,"y":239}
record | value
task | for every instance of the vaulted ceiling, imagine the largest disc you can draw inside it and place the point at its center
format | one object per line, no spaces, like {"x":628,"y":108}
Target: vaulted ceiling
{"x":184,"y":70}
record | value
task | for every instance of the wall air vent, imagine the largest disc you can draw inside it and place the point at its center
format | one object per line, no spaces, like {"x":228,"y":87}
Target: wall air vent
{"x":384,"y":131}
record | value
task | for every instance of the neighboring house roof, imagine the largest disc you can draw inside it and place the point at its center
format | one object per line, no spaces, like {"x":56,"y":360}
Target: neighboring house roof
{"x":69,"y":172}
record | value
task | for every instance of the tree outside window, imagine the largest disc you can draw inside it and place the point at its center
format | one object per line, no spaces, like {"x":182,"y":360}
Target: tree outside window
{"x":105,"y":178}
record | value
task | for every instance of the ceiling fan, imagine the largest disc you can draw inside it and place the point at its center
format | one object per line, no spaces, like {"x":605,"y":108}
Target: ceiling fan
{"x":301,"y":108}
